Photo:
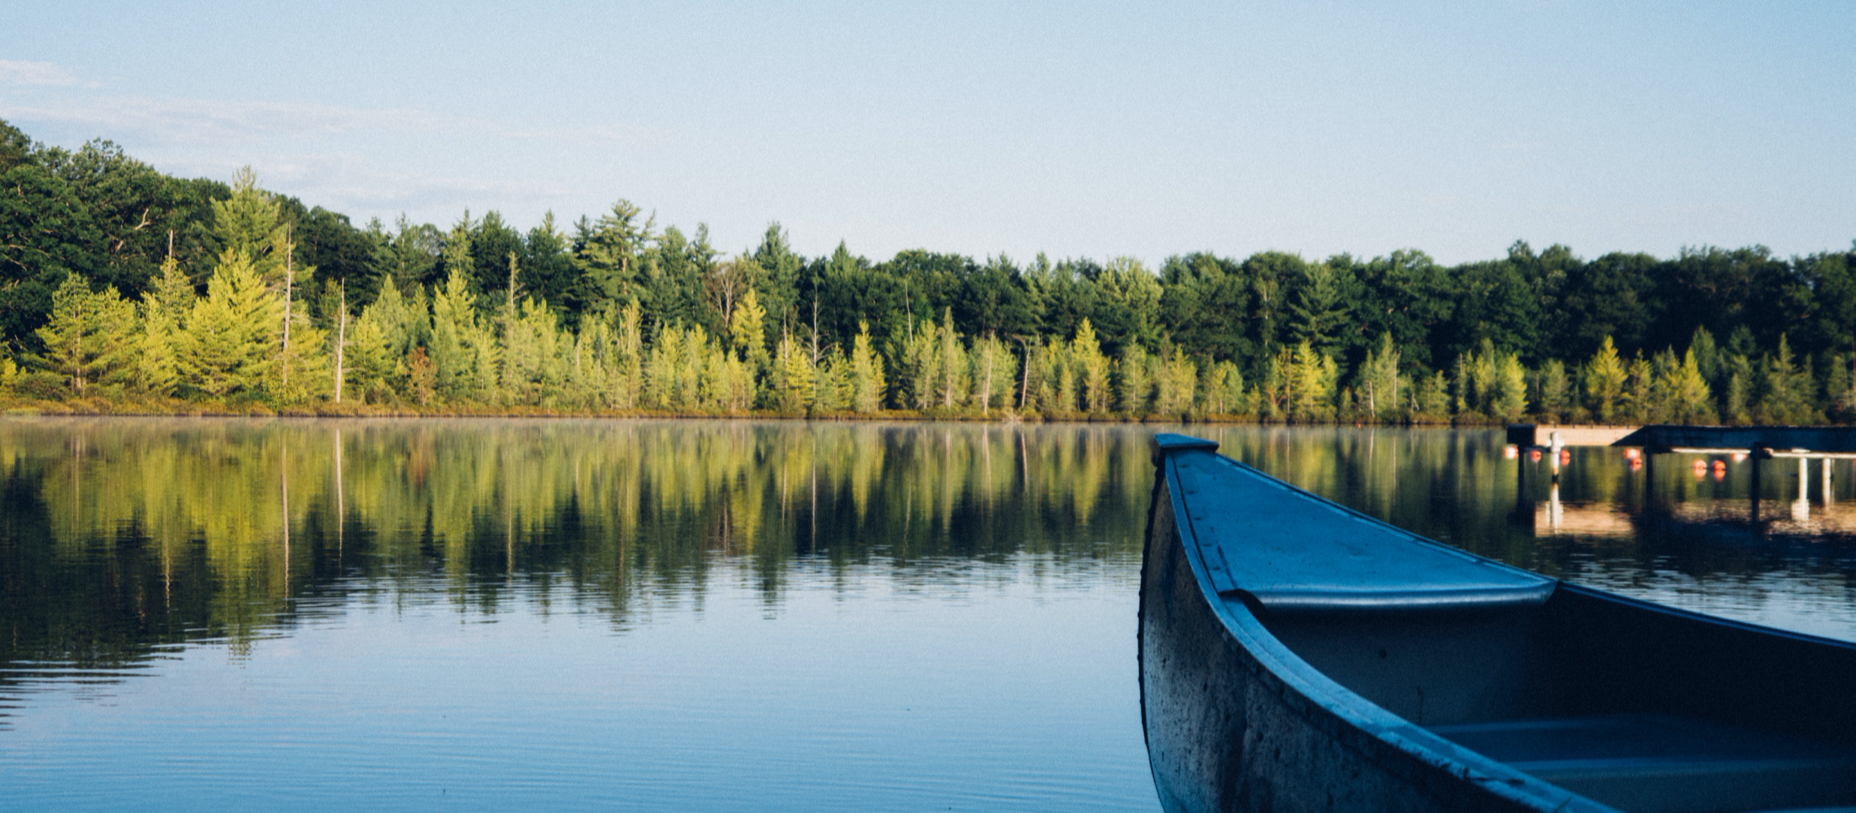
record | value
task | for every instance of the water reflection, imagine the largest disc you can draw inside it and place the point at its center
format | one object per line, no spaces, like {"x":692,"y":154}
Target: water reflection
{"x":121,"y":537}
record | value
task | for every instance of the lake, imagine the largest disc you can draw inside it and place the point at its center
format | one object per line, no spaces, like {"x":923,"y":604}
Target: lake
{"x":713,"y":615}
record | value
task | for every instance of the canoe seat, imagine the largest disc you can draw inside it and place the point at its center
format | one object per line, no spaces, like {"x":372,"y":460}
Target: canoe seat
{"x":1651,"y":763}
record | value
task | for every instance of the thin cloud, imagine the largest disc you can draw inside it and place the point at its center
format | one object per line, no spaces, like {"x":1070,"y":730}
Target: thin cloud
{"x":207,"y":121}
{"x":35,"y":74}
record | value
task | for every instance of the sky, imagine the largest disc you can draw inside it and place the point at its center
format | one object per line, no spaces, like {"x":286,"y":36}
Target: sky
{"x":1077,"y":129}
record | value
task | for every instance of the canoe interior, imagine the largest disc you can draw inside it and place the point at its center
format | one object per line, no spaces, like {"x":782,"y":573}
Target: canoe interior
{"x":1626,"y":704}
{"x":1632,"y":705}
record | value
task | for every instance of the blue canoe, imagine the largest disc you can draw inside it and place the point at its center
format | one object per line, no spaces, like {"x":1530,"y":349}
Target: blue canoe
{"x":1300,"y":656}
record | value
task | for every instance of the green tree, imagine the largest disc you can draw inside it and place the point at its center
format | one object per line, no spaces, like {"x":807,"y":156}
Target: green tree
{"x":1177,"y":384}
{"x":866,"y":373}
{"x":747,"y":330}
{"x":251,"y":223}
{"x":1604,"y":381}
{"x":1685,"y":391}
{"x":227,"y":346}
{"x":1377,"y":383}
{"x":90,"y":338}
{"x":1224,"y":389}
{"x":793,"y":383}
{"x":951,"y":371}
{"x":1787,"y":389}
{"x":1554,"y":391}
{"x":1510,"y":387}
{"x":1317,"y":310}
{"x":1136,"y":377}
{"x":1092,"y":367}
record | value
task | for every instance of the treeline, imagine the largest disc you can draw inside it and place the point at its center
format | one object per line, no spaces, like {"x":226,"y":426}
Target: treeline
{"x":131,"y":289}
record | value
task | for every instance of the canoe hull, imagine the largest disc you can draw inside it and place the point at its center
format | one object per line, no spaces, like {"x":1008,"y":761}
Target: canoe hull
{"x":1226,"y":732}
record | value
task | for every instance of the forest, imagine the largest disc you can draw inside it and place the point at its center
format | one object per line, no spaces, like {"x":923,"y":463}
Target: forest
{"x":124,"y":290}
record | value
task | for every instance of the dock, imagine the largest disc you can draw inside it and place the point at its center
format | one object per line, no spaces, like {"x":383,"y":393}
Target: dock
{"x":1760,"y":441}
{"x":1805,"y":443}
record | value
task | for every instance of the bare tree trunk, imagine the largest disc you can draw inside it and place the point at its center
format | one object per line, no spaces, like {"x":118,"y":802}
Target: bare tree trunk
{"x":341,"y":341}
{"x":986,"y":402}
{"x":289,"y":282}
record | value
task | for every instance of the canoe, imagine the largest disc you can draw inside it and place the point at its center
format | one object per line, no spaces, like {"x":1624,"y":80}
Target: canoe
{"x":1296,"y":655}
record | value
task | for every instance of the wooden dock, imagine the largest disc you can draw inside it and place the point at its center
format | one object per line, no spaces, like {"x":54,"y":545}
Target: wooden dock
{"x":1760,"y":441}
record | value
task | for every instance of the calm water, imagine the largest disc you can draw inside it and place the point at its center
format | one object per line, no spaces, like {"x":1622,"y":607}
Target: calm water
{"x":710,"y":616}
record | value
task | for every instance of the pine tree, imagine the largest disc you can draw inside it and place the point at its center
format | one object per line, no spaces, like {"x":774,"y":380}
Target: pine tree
{"x":1137,"y":380}
{"x":226,"y":346}
{"x":1788,"y":389}
{"x":1685,"y":391}
{"x":1315,"y":376}
{"x":1739,"y":396}
{"x":1431,"y":399}
{"x":1554,"y":391}
{"x":90,"y":338}
{"x":1224,"y":389}
{"x":866,"y":373}
{"x":950,"y":378}
{"x":368,"y":366}
{"x":1604,"y":381}
{"x":628,"y":363}
{"x":454,"y":330}
{"x":1092,"y":366}
{"x":793,"y":381}
{"x":1510,"y":400}
{"x":747,"y":330}
{"x":921,"y":365}
{"x":251,"y":223}
{"x":1177,"y":385}
{"x":1377,"y":387}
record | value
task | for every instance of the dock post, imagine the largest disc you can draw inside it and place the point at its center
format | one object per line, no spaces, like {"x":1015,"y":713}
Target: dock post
{"x":1829,"y":493}
{"x":1754,"y":458}
{"x":1554,"y":446}
{"x":1801,"y":510}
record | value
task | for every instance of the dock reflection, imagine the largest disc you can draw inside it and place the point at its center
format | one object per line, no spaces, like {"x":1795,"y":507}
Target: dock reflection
{"x":1695,"y":491}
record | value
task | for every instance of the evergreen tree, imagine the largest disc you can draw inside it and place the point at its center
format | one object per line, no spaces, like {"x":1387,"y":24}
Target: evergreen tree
{"x":1430,"y":399}
{"x":1739,"y":397}
{"x":454,"y":333}
{"x":1377,"y":383}
{"x":921,"y":366}
{"x":1315,"y":376}
{"x":950,"y":380}
{"x":995,"y":372}
{"x":1604,"y":381}
{"x":1318,"y":310}
{"x":164,"y":306}
{"x":1224,"y":389}
{"x":747,"y":330}
{"x":1787,"y":388}
{"x":1685,"y":391}
{"x":1639,"y":397}
{"x":1510,"y":387}
{"x":251,"y":223}
{"x":1554,"y":391}
{"x":227,"y":345}
{"x":1177,"y":385}
{"x":370,"y":368}
{"x":1092,"y":367}
{"x":793,"y":384}
{"x":90,"y":338}
{"x":866,"y":373}
{"x":1137,"y":380}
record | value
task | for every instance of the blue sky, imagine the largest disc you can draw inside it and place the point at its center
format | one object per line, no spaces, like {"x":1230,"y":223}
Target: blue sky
{"x":1077,"y":129}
